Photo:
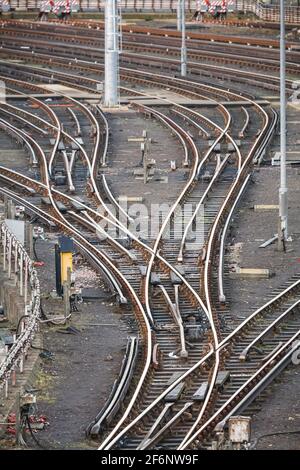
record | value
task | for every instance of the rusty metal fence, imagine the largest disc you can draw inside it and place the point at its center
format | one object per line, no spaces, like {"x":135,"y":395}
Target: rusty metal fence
{"x":16,"y":262}
{"x":266,"y":12}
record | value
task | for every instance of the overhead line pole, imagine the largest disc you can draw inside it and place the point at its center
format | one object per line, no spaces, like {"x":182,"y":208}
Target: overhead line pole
{"x":283,"y":190}
{"x":111,"y":80}
{"x":183,"y":40}
{"x":179,"y":15}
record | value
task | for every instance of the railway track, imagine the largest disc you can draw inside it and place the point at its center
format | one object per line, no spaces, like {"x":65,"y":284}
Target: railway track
{"x":246,"y":56}
{"x":253,"y":80}
{"x":89,"y":27}
{"x":76,"y":44}
{"x":176,"y":295}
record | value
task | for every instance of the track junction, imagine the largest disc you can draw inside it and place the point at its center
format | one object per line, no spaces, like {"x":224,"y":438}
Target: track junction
{"x":187,"y":370}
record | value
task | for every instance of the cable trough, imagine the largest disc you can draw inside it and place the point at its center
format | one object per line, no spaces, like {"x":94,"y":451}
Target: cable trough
{"x":118,"y":392}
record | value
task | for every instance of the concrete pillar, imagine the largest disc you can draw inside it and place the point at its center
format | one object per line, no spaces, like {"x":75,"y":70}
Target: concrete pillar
{"x":179,"y":15}
{"x":283,"y":190}
{"x":183,"y":40}
{"x":111,"y":94}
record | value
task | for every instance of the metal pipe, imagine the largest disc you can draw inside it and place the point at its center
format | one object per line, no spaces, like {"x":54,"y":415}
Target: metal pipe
{"x":9,"y":257}
{"x":179,"y":20}
{"x":4,"y":250}
{"x":283,"y":206}
{"x":111,"y":54}
{"x":68,"y":171}
{"x":178,"y":320}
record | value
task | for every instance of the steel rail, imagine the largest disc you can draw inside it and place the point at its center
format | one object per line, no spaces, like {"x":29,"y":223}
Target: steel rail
{"x":94,"y":157}
{"x":245,"y":352}
{"x":208,"y":263}
{"x":46,"y":217}
{"x":147,"y":285}
{"x":139,"y":31}
{"x":126,"y":70}
{"x":104,"y":155}
{"x":234,"y":74}
{"x":13,"y":183}
{"x":53,"y":127}
{"x":174,"y":206}
{"x":215,"y":372}
{"x":265,"y":381}
{"x":91,"y":250}
{"x":150,"y":440}
{"x":77,"y":124}
{"x":177,"y":318}
{"x":214,"y":376}
{"x":223,"y":132}
{"x":38,"y":129}
{"x":39,"y":186}
{"x":108,"y":443}
{"x":129,"y":288}
{"x":204,"y":196}
{"x":48,"y":186}
{"x":265,"y":80}
{"x":222,"y":297}
{"x":231,"y":401}
{"x":90,"y":223}
{"x":45,"y":186}
{"x":92,"y":163}
{"x":193,"y":122}
{"x":223,"y":344}
{"x":246,"y":124}
{"x":113,"y":199}
{"x":177,"y":80}
{"x":165,"y":40}
{"x":81,"y":42}
{"x":39,"y":150}
{"x":21,"y":136}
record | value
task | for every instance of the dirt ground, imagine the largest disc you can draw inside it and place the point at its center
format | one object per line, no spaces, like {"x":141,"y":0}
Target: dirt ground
{"x":74,"y":385}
